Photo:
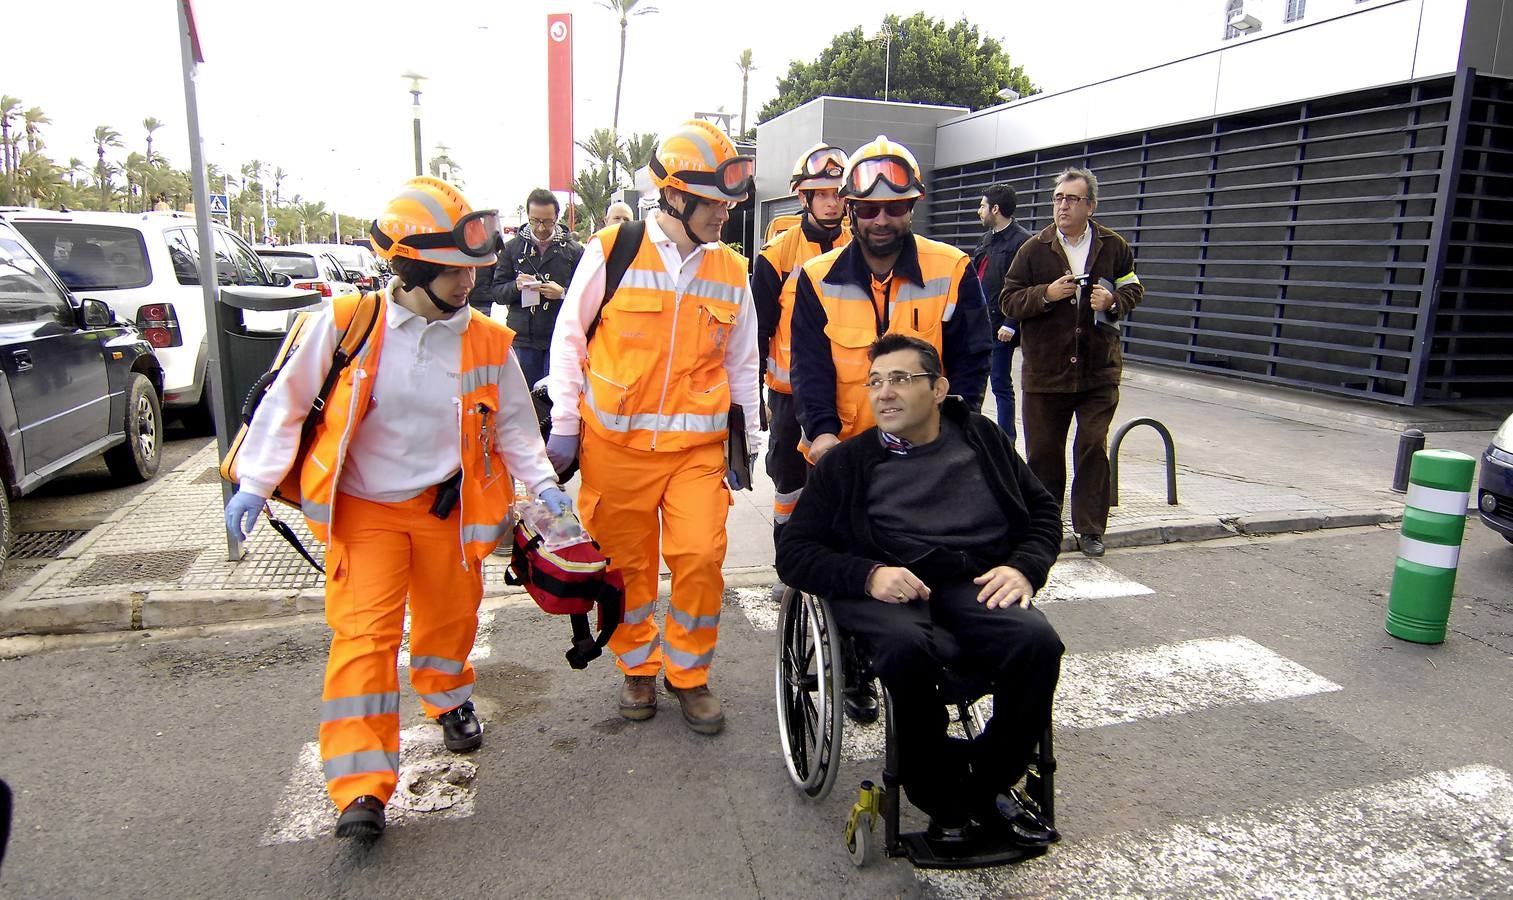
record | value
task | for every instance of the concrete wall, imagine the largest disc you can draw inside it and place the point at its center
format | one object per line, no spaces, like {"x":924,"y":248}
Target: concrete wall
{"x":847,"y":123}
{"x":1373,"y":44}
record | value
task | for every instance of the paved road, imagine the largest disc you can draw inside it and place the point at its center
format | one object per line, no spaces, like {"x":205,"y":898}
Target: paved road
{"x":1233,"y":720}
{"x":83,"y":496}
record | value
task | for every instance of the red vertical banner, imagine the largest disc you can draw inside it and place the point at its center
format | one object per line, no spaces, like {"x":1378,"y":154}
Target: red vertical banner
{"x":559,"y":100}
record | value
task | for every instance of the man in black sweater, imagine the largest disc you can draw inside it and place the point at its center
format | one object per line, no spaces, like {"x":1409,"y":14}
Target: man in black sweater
{"x":929,"y":536}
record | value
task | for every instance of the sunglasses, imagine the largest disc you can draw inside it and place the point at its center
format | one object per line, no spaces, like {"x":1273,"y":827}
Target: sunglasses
{"x":896,"y":209}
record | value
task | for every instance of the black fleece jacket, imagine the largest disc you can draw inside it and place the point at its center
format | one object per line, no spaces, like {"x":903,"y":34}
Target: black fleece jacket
{"x":828,"y":547}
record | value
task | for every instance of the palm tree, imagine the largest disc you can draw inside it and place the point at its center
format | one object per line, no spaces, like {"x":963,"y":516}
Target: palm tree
{"x":76,"y":167}
{"x":136,"y":178}
{"x":636,"y":151}
{"x":744,"y":64}
{"x":150,"y":125}
{"x":279,"y":176}
{"x":34,"y":117}
{"x":624,"y":9}
{"x":105,"y":136}
{"x":40,"y":179}
{"x":604,"y":148}
{"x":592,"y":188}
{"x":9,"y":107}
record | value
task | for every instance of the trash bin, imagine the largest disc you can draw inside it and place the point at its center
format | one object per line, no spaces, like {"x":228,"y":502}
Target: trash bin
{"x":246,"y":352}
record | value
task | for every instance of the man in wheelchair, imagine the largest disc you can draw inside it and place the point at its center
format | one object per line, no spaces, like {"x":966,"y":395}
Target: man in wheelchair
{"x":929,"y":535}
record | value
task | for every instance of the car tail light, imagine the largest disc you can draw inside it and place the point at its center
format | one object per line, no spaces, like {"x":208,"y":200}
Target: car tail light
{"x":321,"y":286}
{"x":159,"y":325}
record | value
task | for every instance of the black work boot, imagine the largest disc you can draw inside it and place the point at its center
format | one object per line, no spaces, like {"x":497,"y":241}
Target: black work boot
{"x":363,"y":818}
{"x":860,"y":701}
{"x":460,"y":729}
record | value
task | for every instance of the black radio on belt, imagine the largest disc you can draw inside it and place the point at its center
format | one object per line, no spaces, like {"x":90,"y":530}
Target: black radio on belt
{"x":447,"y":494}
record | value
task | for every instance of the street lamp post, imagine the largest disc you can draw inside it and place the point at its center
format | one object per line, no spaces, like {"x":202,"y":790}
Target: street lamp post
{"x":415,"y":81}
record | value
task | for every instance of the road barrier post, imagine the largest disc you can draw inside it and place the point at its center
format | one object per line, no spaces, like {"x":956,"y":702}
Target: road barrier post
{"x":1434,"y":522}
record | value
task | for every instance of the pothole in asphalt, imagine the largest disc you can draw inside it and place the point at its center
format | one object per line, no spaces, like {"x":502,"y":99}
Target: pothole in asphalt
{"x":433,"y":784}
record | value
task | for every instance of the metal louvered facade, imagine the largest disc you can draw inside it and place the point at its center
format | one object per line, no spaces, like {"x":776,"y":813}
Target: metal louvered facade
{"x":1357,"y":244}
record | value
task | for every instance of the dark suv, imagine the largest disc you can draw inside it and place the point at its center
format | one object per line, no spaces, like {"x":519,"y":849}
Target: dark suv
{"x":74,"y":382}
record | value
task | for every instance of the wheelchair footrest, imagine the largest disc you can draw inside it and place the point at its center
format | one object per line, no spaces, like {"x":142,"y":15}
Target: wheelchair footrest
{"x":923,"y":855}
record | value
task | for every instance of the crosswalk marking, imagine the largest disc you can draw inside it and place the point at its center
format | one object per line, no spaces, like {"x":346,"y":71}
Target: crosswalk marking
{"x":1443,"y":834}
{"x":1087,"y":579}
{"x":1127,"y":685}
{"x":1119,"y":686}
{"x":760,"y":609}
{"x":482,"y":645}
{"x":433,"y":783}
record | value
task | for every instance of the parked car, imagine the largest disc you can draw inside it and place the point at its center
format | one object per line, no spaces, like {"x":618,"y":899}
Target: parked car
{"x":74,"y":382}
{"x":1494,"y":486}
{"x":360,"y":264}
{"x":309,"y":267}
{"x":145,"y":267}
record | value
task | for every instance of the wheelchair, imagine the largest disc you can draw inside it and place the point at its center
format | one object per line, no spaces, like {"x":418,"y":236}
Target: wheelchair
{"x":815,"y":661}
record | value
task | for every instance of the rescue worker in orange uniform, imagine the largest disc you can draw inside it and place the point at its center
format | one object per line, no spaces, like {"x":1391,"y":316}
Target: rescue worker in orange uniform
{"x":645,"y":406}
{"x":433,"y":407}
{"x":887,"y":280}
{"x":774,"y":278}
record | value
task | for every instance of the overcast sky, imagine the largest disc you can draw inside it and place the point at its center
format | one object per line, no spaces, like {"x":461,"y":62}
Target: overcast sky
{"x":315,"y":85}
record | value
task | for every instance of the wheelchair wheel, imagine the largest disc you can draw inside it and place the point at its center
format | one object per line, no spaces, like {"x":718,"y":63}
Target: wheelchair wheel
{"x":859,"y":847}
{"x":808,"y":677}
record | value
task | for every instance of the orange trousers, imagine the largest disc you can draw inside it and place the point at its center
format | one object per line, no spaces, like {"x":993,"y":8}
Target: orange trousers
{"x":378,"y":554}
{"x":624,"y":494}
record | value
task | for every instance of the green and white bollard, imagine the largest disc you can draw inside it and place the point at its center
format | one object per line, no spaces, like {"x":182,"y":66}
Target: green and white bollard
{"x":1423,"y":581}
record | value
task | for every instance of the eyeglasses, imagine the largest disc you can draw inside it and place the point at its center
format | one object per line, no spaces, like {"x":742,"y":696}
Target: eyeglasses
{"x":1067,"y":199}
{"x":896,"y":379}
{"x":896,"y":209}
{"x":542,"y":223}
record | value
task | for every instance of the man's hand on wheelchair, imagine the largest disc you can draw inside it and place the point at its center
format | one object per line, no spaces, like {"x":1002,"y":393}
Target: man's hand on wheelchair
{"x":895,"y":584}
{"x":1003,"y":586}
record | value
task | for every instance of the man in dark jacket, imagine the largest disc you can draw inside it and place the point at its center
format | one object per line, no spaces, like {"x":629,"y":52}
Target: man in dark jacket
{"x":991,"y":259}
{"x":530,"y":279}
{"x":929,"y":536}
{"x":1069,"y":286}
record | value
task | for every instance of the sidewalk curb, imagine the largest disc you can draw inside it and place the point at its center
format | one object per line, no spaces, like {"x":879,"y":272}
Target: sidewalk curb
{"x":128,"y":610}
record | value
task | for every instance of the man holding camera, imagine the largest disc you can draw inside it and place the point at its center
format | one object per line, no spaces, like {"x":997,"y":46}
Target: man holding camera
{"x":531,"y":278}
{"x":1069,"y":286}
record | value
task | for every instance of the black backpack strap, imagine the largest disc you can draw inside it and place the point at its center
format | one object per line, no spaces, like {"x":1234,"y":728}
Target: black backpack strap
{"x":287,"y":533}
{"x":627,"y":245}
{"x":340,"y":359}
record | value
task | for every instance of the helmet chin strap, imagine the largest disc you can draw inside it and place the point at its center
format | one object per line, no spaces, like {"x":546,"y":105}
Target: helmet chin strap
{"x":690,"y":204}
{"x":439,"y":303}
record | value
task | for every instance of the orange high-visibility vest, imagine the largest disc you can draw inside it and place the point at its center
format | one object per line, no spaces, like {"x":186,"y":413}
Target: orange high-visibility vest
{"x":852,"y":321}
{"x":787,"y":254}
{"x":487,"y":489}
{"x":654,"y":376}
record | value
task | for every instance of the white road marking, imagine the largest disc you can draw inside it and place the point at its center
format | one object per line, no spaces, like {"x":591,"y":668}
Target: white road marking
{"x":757,"y":604}
{"x":1445,"y":834}
{"x":1087,"y":579}
{"x":1119,"y":686}
{"x":433,"y":783}
{"x":482,"y":648}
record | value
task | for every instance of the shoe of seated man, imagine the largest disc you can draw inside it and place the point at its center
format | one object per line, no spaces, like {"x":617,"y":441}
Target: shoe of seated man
{"x":950,"y":839}
{"x":1016,"y":817}
{"x":460,"y":729}
{"x":860,"y":702}
{"x":363,"y":818}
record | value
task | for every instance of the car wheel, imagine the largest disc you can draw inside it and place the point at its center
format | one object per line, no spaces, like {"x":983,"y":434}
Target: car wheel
{"x":138,"y":458}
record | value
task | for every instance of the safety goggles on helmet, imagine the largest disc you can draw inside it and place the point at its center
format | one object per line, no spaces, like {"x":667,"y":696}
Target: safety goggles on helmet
{"x":733,"y":178}
{"x":895,"y":171}
{"x":826,"y":162}
{"x":475,"y":235}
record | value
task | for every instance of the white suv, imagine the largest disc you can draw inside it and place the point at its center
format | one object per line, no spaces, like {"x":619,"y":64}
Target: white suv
{"x":144,"y":266}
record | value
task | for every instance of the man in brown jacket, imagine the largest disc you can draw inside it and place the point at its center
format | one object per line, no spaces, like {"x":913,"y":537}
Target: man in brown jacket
{"x":1069,"y":286}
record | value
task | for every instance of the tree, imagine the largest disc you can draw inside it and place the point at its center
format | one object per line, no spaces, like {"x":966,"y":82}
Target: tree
{"x":636,"y":151}
{"x":744,"y":64}
{"x":592,"y":187}
{"x":105,"y":136}
{"x":931,"y":63}
{"x":150,"y":125}
{"x":9,"y":107}
{"x":34,"y":118}
{"x":625,"y":9}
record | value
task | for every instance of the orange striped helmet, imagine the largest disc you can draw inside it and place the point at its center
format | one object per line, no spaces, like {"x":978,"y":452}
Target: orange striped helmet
{"x":698,"y":158}
{"x":882,"y":170}
{"x":819,"y":168}
{"x":431,"y":222}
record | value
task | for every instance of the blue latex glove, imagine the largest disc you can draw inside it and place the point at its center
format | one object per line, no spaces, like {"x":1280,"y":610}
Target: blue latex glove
{"x":561,"y":450}
{"x":734,"y":480}
{"x":556,"y":500}
{"x":242,"y":511}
